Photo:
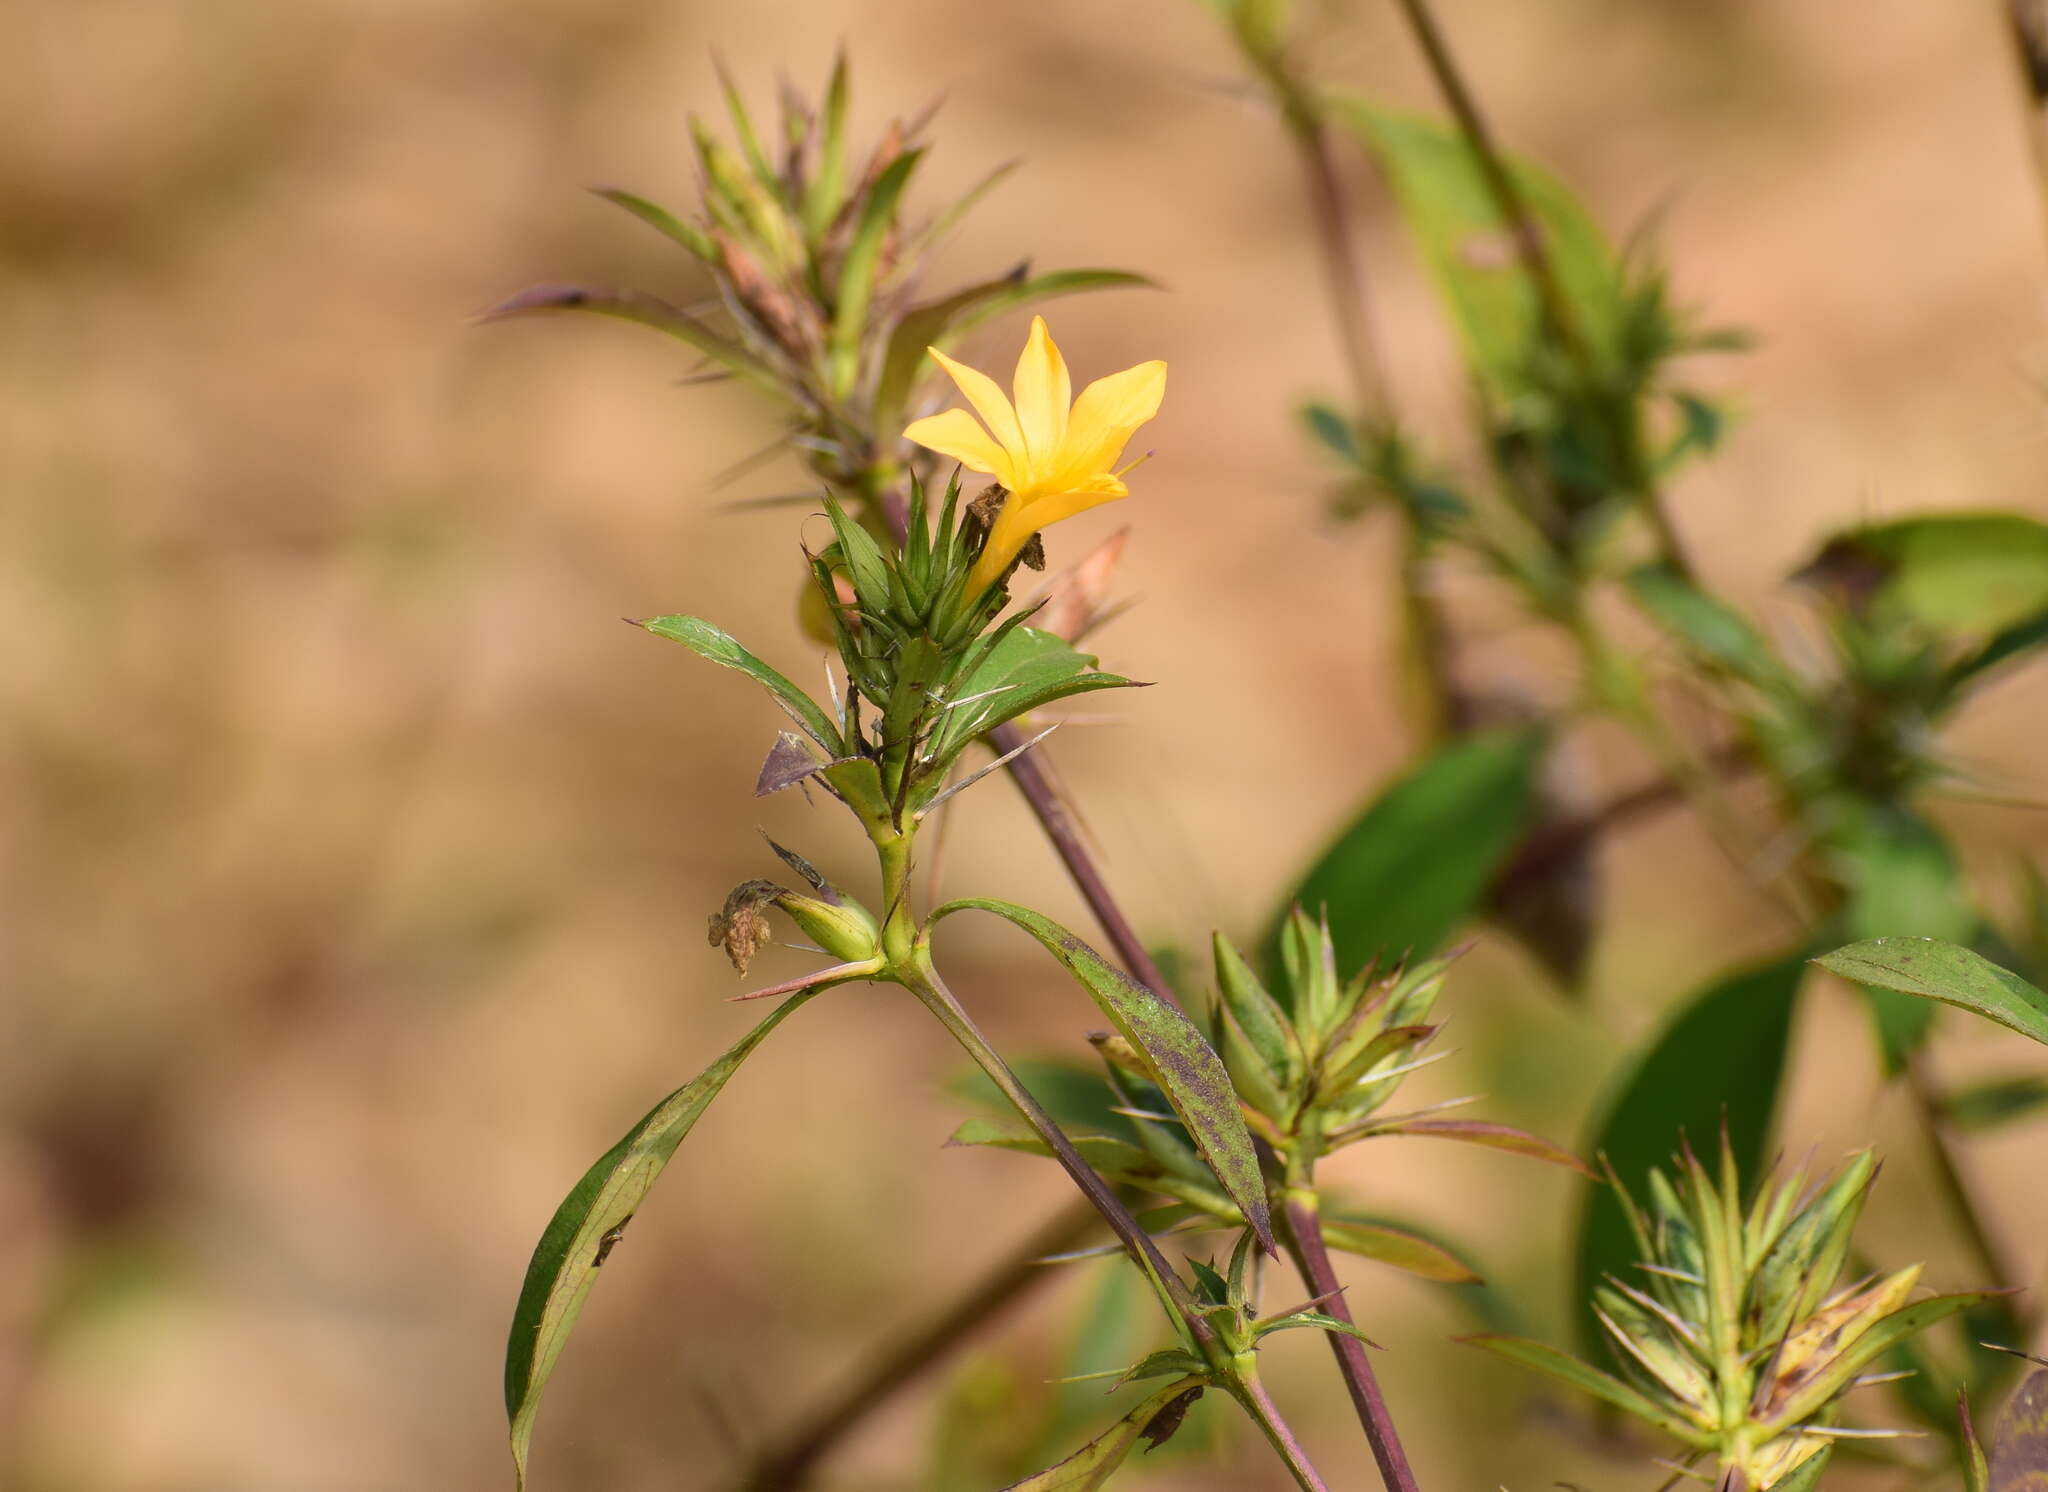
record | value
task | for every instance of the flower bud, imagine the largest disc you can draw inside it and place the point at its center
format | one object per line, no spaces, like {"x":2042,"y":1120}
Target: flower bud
{"x":843,"y":929}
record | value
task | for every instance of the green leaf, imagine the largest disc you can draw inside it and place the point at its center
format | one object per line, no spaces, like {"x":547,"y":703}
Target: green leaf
{"x":1417,"y":862}
{"x":863,"y":262}
{"x":1944,"y":972}
{"x":709,"y":642}
{"x":1193,"y":1076}
{"x":827,"y":188}
{"x":1027,"y":670}
{"x":1988,"y":1105}
{"x":1587,"y":1379}
{"x":1486,"y":1132}
{"x":1257,"y":1013}
{"x":643,"y":310}
{"x":1106,"y":1153}
{"x":1452,"y":215}
{"x":1960,"y":574}
{"x":1717,"y":1063}
{"x":664,"y":222}
{"x":1334,"y":432}
{"x":589,"y":1222}
{"x":1398,"y":1247}
{"x":1076,"y":1096}
{"x":1708,"y":626}
{"x":863,"y":558}
{"x":1902,"y":879}
{"x":1805,"y":1477}
{"x":1976,"y":1469}
{"x":2016,"y":641}
{"x":1315,"y":1319}
{"x":1091,"y":1467}
{"x":1908,"y":1321}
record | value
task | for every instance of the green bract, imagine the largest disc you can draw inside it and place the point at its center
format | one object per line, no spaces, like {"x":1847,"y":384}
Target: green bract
{"x":815,"y":268}
{"x":1734,"y":1332}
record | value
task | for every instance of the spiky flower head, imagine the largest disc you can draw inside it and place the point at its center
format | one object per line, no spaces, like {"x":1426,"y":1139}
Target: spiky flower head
{"x":1316,"y":1071}
{"x":1737,"y":1334}
{"x":817,"y":269}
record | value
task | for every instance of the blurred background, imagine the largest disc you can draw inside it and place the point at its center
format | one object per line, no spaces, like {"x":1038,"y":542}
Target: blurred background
{"x":355,"y":859}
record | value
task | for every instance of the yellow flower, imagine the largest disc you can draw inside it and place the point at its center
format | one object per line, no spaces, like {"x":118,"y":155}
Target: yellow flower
{"x":1054,"y":460}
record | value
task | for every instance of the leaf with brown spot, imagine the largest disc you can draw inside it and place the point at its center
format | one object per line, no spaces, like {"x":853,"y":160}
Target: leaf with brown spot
{"x":1190,"y":1073}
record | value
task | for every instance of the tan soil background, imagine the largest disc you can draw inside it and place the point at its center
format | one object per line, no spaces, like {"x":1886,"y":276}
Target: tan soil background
{"x":355,"y":858}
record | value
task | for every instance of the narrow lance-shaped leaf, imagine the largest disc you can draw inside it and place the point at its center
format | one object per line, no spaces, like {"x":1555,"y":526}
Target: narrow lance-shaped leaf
{"x":1805,"y":1477}
{"x":2000,"y":1101}
{"x":664,"y":222}
{"x":590,"y":1222}
{"x":862,"y":265}
{"x":1902,"y":879}
{"x":1942,"y":971}
{"x":1091,"y":1467}
{"x":1976,"y":1467}
{"x":1451,"y":210}
{"x":1399,"y":1247}
{"x":720,"y":647}
{"x":1493,"y":1136}
{"x":1874,"y":1343}
{"x":1605,"y":1386}
{"x":1193,"y":1076}
{"x":644,"y":310}
{"x":1716,"y":1064}
{"x":1707,"y":626}
{"x":1026,"y":670}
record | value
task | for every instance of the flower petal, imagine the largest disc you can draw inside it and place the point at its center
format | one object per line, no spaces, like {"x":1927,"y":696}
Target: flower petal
{"x":955,"y":434}
{"x":1093,"y":493}
{"x":1044,"y":390}
{"x":1106,"y":416}
{"x":989,"y":402}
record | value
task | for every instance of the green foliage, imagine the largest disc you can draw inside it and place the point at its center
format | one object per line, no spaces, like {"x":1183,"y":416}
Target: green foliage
{"x":1732,"y":1331}
{"x":816,"y":269}
{"x":1935,"y":970}
{"x":1451,"y":211}
{"x":1955,"y":576}
{"x":936,"y":668}
{"x":707,"y":641}
{"x":589,"y":1223}
{"x":1403,"y":1248}
{"x":1570,"y":346}
{"x":1418,"y":860}
{"x":1999,"y":1102}
{"x":1805,"y":1477}
{"x":1712,"y":1071}
{"x":1187,"y":1071}
{"x":1091,"y":1467}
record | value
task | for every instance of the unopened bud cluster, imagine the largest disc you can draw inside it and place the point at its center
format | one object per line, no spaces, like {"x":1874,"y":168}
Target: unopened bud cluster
{"x":1737,"y":1334}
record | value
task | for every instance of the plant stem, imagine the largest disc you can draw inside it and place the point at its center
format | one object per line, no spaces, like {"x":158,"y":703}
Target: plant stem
{"x":1266,"y":1415}
{"x":918,"y":976}
{"x":2027,"y":24}
{"x":1060,"y":829}
{"x":788,"y":1466}
{"x":1553,"y":303}
{"x":1310,"y":138}
{"x":1052,"y":814}
{"x":1303,"y":1235}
